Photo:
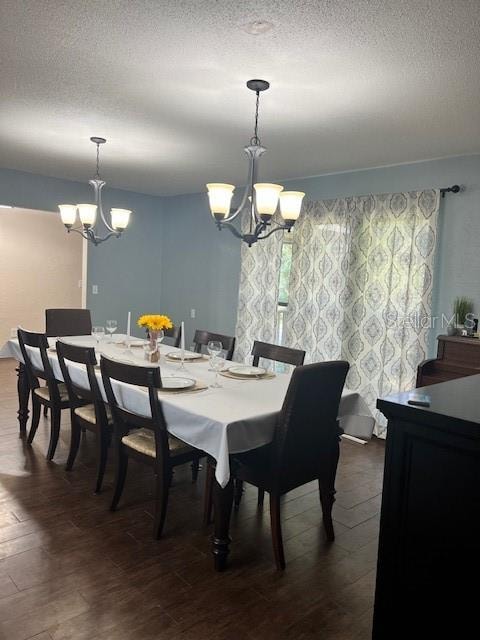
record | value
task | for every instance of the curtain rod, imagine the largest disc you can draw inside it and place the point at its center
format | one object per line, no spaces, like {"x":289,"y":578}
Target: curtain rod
{"x":454,"y":189}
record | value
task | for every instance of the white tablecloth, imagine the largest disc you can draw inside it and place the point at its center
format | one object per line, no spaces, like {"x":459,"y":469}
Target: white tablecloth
{"x":237,"y":417}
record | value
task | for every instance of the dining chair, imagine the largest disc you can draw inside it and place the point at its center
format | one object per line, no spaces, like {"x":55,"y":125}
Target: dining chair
{"x":67,"y":322}
{"x":276,"y":353}
{"x":145,"y":439}
{"x":176,"y":334}
{"x":305,"y":446}
{"x":53,"y":395}
{"x":202,"y":338}
{"x":87,"y":409}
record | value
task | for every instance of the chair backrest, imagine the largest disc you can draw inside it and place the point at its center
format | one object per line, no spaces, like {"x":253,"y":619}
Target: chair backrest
{"x":307,"y":433}
{"x":175,"y":333}
{"x":67,"y":322}
{"x":202,"y":338}
{"x":150,"y":379}
{"x":86,"y":356}
{"x":37,"y":341}
{"x":277,"y":353}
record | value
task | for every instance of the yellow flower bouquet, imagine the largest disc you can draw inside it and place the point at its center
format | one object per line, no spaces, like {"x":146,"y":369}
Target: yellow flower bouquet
{"x":154,"y":323}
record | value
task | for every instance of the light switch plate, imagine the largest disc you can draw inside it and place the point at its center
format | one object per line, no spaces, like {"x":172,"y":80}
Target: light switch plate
{"x":192,"y":313}
{"x":94,"y":289}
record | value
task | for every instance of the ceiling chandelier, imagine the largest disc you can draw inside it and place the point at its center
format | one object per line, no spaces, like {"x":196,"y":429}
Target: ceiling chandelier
{"x":88,"y":212}
{"x":260,"y":200}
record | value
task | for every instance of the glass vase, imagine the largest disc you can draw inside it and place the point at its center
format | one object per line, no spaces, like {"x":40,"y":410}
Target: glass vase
{"x":153,"y":352}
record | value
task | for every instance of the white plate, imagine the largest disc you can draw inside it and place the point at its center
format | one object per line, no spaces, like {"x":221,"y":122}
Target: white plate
{"x":173,"y":383}
{"x":246,"y":371}
{"x":189,"y":355}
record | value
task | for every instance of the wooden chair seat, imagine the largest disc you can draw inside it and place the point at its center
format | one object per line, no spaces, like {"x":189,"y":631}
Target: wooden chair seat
{"x":143,"y":441}
{"x":87,"y":413}
{"x":44,"y":392}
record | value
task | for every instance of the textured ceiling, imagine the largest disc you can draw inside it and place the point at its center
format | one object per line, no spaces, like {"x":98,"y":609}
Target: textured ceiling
{"x":354,"y":84}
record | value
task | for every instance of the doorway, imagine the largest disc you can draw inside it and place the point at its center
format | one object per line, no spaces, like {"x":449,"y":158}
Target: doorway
{"x":41,"y":267}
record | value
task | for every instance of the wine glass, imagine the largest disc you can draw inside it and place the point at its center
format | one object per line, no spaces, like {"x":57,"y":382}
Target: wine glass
{"x":217,"y":362}
{"x":111,"y":328}
{"x":98,"y":333}
{"x":214,"y":347}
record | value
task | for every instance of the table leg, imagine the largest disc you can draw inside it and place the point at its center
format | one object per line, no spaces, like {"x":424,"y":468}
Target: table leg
{"x":222,"y":501}
{"x":23,"y":389}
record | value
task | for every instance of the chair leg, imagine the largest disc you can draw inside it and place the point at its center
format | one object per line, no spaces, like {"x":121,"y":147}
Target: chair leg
{"x":237,"y":493}
{"x":276,"y":531}
{"x":327,"y":498}
{"x":195,"y":466}
{"x":208,"y":505}
{"x":121,"y":474}
{"x":55,"y":417}
{"x":326,"y":486}
{"x":36,"y":410}
{"x":261,"y":497}
{"x":163,"y":488}
{"x":102,"y":452}
{"x":74,"y":442}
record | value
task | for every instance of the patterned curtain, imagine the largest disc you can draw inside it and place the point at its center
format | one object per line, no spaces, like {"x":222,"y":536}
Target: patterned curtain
{"x":361,"y":287}
{"x":258,"y":294}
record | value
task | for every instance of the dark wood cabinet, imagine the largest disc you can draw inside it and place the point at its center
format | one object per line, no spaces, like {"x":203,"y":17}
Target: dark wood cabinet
{"x":456,"y":358}
{"x":429,"y":547}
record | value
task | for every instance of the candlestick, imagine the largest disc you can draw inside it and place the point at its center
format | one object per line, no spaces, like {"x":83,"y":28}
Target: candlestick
{"x":182,"y":344}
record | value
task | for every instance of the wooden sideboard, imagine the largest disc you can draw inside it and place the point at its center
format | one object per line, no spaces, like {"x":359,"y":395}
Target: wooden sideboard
{"x":429,"y":546}
{"x":456,"y":358}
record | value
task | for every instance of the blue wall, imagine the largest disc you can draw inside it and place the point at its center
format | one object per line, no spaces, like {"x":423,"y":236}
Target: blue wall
{"x":200,"y":268}
{"x":128,"y":270}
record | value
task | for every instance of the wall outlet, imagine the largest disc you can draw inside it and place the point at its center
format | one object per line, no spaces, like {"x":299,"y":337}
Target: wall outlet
{"x":13,"y":332}
{"x":192,"y":313}
{"x":94,"y":289}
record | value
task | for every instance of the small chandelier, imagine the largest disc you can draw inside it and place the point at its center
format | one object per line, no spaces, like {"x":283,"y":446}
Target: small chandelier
{"x":88,"y":212}
{"x":259,"y":199}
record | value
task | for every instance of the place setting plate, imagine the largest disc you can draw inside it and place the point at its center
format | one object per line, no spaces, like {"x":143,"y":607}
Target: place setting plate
{"x":246,"y":372}
{"x":189,"y":356}
{"x":179,"y":384}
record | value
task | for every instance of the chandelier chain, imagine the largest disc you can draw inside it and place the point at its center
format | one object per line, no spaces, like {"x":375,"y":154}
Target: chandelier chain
{"x":97,"y":174}
{"x":256,"y":140}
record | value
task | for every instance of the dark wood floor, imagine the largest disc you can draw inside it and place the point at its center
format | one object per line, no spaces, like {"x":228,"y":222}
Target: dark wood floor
{"x":71,"y":569}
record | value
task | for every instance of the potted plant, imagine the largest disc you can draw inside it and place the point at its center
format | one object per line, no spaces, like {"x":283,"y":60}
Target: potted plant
{"x":462,"y":307}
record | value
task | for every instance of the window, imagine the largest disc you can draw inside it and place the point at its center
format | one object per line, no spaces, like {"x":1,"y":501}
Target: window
{"x":284,"y":284}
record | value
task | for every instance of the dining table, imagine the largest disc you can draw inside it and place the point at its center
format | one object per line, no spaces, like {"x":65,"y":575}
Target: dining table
{"x":237,"y":416}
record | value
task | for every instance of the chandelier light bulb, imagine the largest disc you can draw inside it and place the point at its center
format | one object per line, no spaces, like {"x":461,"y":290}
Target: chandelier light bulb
{"x":291,"y":204}
{"x":220,"y":197}
{"x":88,"y":214}
{"x":68,"y":214}
{"x":120,"y":218}
{"x":266,"y":197}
